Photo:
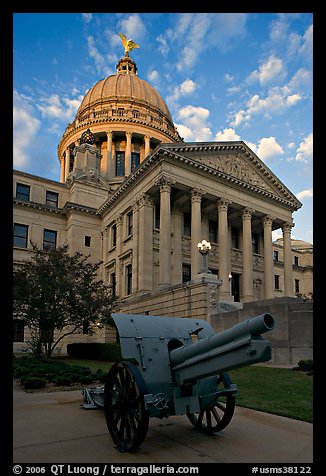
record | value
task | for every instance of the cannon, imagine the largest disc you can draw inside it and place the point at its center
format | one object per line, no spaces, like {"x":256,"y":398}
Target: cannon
{"x":177,"y":366}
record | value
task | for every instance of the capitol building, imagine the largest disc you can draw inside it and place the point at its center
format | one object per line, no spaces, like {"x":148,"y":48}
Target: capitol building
{"x":135,"y":196}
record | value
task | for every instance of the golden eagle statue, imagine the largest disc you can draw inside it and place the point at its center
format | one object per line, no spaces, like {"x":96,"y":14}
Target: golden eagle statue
{"x":128,"y":44}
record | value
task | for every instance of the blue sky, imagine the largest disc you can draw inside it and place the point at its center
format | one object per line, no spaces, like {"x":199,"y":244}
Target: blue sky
{"x":224,"y":76}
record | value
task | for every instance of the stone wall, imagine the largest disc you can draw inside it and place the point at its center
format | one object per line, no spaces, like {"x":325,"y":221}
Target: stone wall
{"x":292,"y":337}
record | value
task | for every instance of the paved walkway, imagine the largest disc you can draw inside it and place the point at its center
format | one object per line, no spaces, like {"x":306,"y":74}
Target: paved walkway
{"x":55,"y":428}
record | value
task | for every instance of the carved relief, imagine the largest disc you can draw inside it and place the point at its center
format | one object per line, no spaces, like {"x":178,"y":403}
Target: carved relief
{"x":236,"y":166}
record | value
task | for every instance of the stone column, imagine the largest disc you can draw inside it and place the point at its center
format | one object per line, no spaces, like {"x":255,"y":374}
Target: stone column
{"x":145,"y":263}
{"x":118,"y":271}
{"x":62,"y":170}
{"x":67,"y":163}
{"x":108,"y":163}
{"x":165,"y":232}
{"x":268,"y":258}
{"x":177,"y":246}
{"x":247,"y":270}
{"x":224,"y":250}
{"x":287,"y":258}
{"x":128,"y":153}
{"x":147,"y":146}
{"x":135,"y":245}
{"x":196,"y":196}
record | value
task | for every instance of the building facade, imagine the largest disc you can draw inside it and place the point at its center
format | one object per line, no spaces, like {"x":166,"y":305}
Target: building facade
{"x":135,"y":196}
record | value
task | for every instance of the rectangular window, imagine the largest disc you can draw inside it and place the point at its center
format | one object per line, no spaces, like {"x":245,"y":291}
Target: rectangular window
{"x":297,"y":285}
{"x":135,"y":160}
{"x":129,"y":279}
{"x":20,"y":235}
{"x":254,"y":241}
{"x":22,"y":191}
{"x":296,"y":261}
{"x":275,"y":255}
{"x":234,"y":237}
{"x":113,"y":283}
{"x":49,"y":239}
{"x":129,"y":223}
{"x":186,"y":273}
{"x":277,"y":281}
{"x":157,"y":217}
{"x":113,"y":236}
{"x":120,"y":164}
{"x":46,"y":334}
{"x":212,"y":231}
{"x":18,"y":330}
{"x":187,"y":224}
{"x":87,"y":241}
{"x":52,"y":198}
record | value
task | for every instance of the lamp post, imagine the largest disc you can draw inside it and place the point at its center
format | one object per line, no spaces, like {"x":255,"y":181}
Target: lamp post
{"x":204,"y":247}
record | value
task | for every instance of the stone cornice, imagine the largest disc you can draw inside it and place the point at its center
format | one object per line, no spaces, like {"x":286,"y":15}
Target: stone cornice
{"x":174,"y":151}
{"x":54,"y":210}
{"x":38,"y":206}
{"x":73,"y":129}
{"x":169,"y":151}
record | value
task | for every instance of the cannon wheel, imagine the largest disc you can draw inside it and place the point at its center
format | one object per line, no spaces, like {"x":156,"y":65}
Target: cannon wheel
{"x":125,"y":413}
{"x":213,"y":419}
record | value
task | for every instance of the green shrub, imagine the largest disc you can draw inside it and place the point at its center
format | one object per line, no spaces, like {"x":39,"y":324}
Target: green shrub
{"x":33,"y":383}
{"x":109,"y":352}
{"x":305,"y":365}
{"x":63,"y":380}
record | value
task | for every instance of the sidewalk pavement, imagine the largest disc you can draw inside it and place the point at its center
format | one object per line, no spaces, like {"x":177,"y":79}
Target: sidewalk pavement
{"x":55,"y":428}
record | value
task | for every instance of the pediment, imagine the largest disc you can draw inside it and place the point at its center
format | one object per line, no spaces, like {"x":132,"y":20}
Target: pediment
{"x":238,"y":164}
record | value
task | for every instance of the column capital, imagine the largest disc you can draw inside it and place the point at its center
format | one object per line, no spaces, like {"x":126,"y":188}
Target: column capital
{"x":197,"y":194}
{"x":247,"y":213}
{"x":128,"y":133}
{"x":165,"y":182}
{"x":267,"y":221}
{"x":223,"y":204}
{"x":119,"y":219}
{"x":145,"y":200}
{"x":287,"y":227}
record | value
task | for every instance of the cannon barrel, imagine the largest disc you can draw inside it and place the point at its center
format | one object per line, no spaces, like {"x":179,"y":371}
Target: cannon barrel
{"x":236,"y":347}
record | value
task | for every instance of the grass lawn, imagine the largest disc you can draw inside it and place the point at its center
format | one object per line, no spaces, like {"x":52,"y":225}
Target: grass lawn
{"x":284,"y":392}
{"x":280,"y":391}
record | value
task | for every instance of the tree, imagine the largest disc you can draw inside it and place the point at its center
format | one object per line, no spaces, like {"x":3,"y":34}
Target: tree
{"x":58,"y":291}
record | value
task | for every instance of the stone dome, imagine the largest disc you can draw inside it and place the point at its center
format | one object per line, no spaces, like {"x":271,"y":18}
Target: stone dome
{"x":119,"y":87}
{"x":124,"y":86}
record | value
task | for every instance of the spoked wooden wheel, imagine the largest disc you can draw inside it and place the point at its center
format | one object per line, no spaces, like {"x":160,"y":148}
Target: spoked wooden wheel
{"x":125,"y":413}
{"x":215,"y":418}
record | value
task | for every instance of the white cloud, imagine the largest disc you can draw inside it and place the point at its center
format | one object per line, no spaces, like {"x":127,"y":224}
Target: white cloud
{"x":25,"y":128}
{"x":228,"y":134}
{"x":185,"y":132}
{"x":163,"y":45}
{"x":277,"y":101}
{"x":195,"y":32}
{"x":272,"y":70}
{"x":305,"y":150}
{"x":305,"y":194}
{"x":184,"y":89}
{"x":99,"y":60}
{"x":133,"y":26}
{"x":194,"y":123}
{"x":87,"y":17}
{"x":267,"y":148}
{"x":153,"y":76}
{"x":187,"y":87}
{"x":56,"y":107}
